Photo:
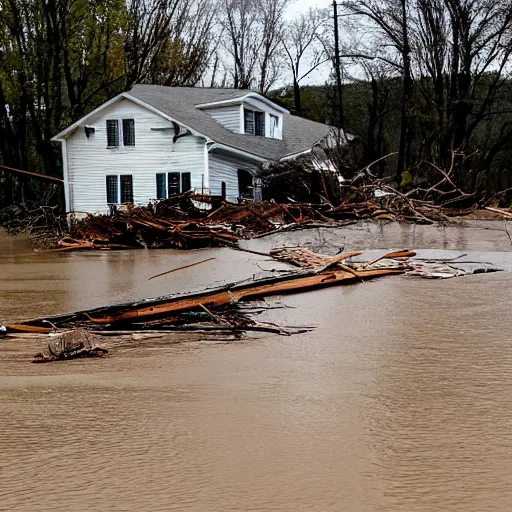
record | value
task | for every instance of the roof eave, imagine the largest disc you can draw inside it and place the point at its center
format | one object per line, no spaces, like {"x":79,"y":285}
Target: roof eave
{"x":292,"y":156}
{"x":240,"y":152}
{"x":240,"y":99}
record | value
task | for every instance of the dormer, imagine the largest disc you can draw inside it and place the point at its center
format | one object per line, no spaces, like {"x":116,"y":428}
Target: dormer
{"x":251,"y":114}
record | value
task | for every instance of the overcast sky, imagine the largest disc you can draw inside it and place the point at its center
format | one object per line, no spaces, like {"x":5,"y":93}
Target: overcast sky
{"x":304,"y":5}
{"x":320,"y":75}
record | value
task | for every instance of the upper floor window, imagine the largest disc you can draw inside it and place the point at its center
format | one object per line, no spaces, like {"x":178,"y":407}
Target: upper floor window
{"x":254,"y":122}
{"x":129,"y":132}
{"x":113,"y":132}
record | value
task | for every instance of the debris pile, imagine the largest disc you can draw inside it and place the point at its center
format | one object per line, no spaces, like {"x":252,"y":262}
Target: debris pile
{"x":192,"y":221}
{"x":366,"y":197}
{"x":431,"y":195}
{"x":181,"y":223}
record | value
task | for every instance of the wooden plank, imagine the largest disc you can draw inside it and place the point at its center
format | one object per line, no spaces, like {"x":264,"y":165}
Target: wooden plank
{"x":228,"y":296}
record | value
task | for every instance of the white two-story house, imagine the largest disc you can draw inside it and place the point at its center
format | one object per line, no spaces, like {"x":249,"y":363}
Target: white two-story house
{"x":154,"y":141}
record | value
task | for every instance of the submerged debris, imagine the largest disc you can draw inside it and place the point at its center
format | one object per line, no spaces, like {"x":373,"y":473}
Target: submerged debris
{"x":398,"y":259}
{"x":218,"y":308}
{"x":69,"y":345}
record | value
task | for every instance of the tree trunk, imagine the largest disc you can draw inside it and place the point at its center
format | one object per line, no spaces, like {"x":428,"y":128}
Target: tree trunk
{"x":406,"y":96}
{"x":296,"y":97}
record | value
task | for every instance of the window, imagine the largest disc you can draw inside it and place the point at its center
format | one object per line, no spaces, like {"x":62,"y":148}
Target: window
{"x":129,"y":132}
{"x":126,"y":188}
{"x":119,"y":189}
{"x":249,"y":121}
{"x":259,"y":123}
{"x":172,"y":184}
{"x":112,"y":190}
{"x":245,"y":186}
{"x":254,"y":122}
{"x":112,"y":133}
{"x":160,"y":186}
{"x":186,"y":184}
{"x":274,"y":127}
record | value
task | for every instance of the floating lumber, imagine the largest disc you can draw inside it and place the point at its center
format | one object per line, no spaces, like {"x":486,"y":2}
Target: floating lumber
{"x":218,"y":309}
{"x":169,"y":308}
{"x":293,"y":285}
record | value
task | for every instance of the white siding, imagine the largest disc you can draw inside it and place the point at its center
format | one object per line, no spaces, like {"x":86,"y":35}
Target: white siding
{"x":90,"y":161}
{"x":228,"y":116}
{"x":224,"y":168}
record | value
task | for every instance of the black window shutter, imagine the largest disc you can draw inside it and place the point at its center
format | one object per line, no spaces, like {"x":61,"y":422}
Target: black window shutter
{"x":126,"y":188}
{"x":160,"y":186}
{"x":112,"y":133}
{"x":248,"y":121}
{"x":111,"y":189}
{"x":174,"y":183}
{"x":186,"y":182}
{"x":129,"y":132}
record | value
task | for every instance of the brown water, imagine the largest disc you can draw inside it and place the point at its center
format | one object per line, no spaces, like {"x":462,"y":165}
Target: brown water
{"x":401,"y":400}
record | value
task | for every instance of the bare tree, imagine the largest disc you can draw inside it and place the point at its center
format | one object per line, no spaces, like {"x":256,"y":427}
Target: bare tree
{"x":272,"y":31}
{"x":464,"y":48}
{"x":147,"y":34}
{"x":392,"y":20}
{"x":188,"y":47}
{"x":252,"y":32}
{"x":304,"y":48}
{"x":242,"y":39}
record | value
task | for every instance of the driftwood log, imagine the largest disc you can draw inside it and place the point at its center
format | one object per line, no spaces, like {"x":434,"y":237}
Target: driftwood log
{"x":181,"y":309}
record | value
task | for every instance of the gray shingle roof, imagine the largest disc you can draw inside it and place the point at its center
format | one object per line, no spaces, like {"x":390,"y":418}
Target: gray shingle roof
{"x":180,"y":103}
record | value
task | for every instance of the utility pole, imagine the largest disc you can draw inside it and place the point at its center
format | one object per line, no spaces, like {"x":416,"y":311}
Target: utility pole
{"x":337,"y":65}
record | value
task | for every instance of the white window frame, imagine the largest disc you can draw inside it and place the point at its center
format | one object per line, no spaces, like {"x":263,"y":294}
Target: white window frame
{"x":118,"y":186}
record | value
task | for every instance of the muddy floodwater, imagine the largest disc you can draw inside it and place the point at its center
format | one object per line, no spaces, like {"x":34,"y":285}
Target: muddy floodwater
{"x":400,"y":400}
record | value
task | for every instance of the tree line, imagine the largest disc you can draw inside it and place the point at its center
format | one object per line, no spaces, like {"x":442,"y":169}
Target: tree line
{"x":424,"y":80}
